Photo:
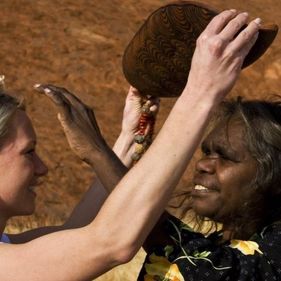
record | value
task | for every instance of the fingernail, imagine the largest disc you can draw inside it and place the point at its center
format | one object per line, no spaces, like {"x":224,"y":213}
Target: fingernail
{"x":245,"y":14}
{"x":36,"y":85}
{"x":233,"y":10}
{"x":258,"y":21}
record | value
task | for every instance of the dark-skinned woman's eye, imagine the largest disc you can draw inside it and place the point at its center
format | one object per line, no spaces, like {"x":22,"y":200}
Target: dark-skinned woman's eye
{"x":223,"y":155}
{"x":205,"y":151}
{"x":30,"y":152}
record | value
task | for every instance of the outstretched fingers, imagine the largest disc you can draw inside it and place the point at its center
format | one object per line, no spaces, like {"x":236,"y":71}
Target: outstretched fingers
{"x":65,"y":95}
{"x":246,"y":38}
{"x":62,"y":103}
{"x":78,"y":121}
{"x":93,"y":121}
{"x":71,"y":98}
{"x":234,"y":26}
{"x":218,"y":23}
{"x":68,"y":104}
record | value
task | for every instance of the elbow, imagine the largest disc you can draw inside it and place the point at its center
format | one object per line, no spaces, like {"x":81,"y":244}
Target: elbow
{"x":129,"y":254}
{"x":125,"y":252}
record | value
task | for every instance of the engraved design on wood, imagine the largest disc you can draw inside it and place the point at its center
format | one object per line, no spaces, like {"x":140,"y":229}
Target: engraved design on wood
{"x":157,"y":60}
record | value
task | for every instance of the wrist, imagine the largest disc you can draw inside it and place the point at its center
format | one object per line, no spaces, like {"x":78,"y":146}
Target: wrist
{"x":124,"y":147}
{"x":208,"y":98}
{"x":95,"y":151}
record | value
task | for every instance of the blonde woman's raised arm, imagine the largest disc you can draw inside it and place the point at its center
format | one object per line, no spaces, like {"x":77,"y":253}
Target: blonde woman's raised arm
{"x":136,"y":203}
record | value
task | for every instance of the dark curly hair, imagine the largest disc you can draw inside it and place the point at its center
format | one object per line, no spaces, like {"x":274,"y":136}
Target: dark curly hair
{"x":262,"y":121}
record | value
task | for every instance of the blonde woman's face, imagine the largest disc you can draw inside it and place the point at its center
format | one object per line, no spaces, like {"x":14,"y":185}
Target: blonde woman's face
{"x":20,"y":168}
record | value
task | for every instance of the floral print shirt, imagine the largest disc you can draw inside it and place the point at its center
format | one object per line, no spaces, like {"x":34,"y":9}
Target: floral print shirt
{"x":194,"y":257}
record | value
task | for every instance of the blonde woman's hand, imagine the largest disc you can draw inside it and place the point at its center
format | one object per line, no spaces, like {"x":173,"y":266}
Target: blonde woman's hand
{"x":220,"y":52}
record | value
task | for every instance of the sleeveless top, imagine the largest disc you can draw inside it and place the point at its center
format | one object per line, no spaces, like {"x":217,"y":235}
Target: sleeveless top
{"x":5,"y":239}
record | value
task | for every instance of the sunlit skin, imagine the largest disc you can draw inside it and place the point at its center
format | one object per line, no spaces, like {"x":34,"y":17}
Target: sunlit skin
{"x":227,"y":170}
{"x":20,"y":168}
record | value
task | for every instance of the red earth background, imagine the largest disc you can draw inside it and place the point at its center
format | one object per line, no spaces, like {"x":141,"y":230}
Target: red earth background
{"x":79,"y":45}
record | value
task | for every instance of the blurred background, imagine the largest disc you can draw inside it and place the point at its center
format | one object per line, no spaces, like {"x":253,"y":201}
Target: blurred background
{"x":79,"y":45}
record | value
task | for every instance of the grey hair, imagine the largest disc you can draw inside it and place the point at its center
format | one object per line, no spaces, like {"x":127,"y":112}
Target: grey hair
{"x":8,"y":106}
{"x":262,"y":121}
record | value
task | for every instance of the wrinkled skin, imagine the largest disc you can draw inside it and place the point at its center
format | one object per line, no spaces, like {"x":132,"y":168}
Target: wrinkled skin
{"x":78,"y":121}
{"x":83,"y":134}
{"x":227,"y":170}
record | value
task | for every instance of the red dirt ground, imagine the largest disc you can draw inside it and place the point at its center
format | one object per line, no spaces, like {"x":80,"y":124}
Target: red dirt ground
{"x":79,"y":45}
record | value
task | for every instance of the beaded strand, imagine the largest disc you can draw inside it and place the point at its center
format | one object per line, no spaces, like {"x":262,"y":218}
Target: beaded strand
{"x":143,"y":138}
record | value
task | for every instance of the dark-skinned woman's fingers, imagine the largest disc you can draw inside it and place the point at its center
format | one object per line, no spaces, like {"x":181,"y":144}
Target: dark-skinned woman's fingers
{"x":77,"y":107}
{"x":71,"y":109}
{"x":58,"y":99}
{"x":54,"y":94}
{"x":65,"y":95}
{"x":93,"y":119}
{"x":68,"y":95}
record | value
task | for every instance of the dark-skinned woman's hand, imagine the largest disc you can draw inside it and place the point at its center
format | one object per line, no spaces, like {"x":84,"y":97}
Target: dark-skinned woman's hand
{"x":78,"y":121}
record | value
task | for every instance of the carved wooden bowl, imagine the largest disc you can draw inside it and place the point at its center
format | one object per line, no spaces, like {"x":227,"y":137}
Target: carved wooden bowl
{"x":158,"y":58}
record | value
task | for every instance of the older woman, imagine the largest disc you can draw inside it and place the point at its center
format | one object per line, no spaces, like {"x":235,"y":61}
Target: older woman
{"x":237,"y":184}
{"x":87,"y":252}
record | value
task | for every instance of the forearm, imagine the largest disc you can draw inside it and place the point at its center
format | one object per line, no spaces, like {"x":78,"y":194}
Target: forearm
{"x":72,"y":255}
{"x":124,"y":148}
{"x":107,"y":166}
{"x":91,"y":202}
{"x":88,"y":207}
{"x":126,"y":217}
{"x":97,"y":193}
{"x":146,"y":188}
{"x":111,"y":165}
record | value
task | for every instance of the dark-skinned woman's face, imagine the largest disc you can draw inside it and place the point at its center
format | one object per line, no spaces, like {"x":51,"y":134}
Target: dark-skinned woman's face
{"x":224,"y":175}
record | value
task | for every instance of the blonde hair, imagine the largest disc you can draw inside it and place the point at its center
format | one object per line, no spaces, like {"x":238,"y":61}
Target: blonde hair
{"x":8,"y":106}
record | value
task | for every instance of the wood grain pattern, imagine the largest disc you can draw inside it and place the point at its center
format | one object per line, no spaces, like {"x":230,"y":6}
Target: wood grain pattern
{"x":157,"y":60}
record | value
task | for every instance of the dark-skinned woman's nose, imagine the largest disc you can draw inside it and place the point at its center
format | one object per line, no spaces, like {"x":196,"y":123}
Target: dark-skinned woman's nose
{"x":206,"y":165}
